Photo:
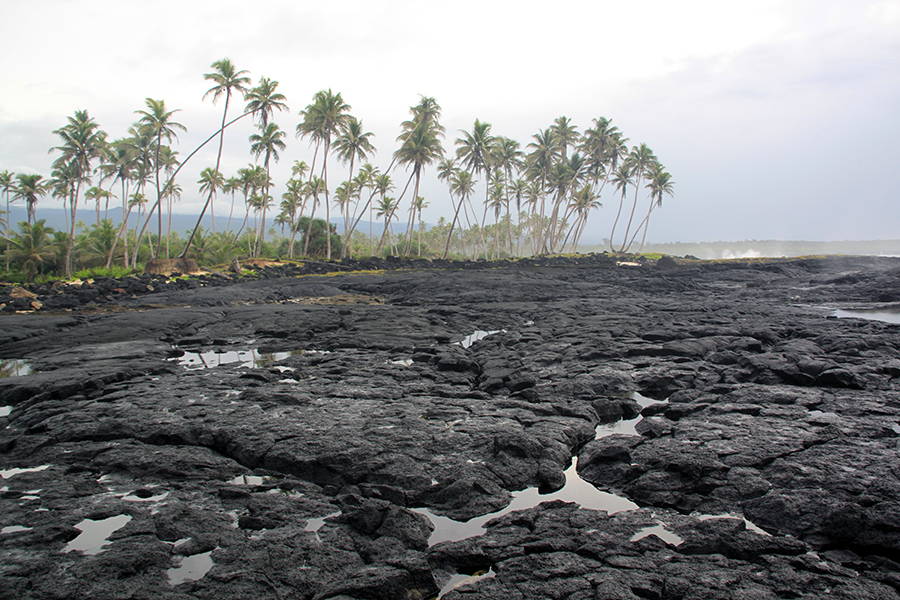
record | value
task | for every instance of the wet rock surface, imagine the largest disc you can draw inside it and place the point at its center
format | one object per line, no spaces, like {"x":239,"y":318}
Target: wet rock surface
{"x":339,"y":418}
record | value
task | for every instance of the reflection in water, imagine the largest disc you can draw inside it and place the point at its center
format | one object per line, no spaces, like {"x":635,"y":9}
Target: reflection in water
{"x":14,"y":529}
{"x":7,"y":473}
{"x":14,"y":367}
{"x":477,"y":335}
{"x":314,"y":525}
{"x":888,"y":315}
{"x":247,"y":358}
{"x":625,"y":426}
{"x":462,"y":578}
{"x":660,"y":532}
{"x":576,"y":489}
{"x":191,"y":568}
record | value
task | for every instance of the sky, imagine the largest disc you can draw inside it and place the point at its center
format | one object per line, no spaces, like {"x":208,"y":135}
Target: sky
{"x":776,"y":119}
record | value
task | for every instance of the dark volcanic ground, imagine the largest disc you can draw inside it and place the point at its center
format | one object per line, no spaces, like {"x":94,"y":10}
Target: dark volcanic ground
{"x":299,"y":478}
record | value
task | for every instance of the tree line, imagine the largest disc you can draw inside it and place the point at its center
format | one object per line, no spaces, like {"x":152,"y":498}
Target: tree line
{"x":539,"y":196}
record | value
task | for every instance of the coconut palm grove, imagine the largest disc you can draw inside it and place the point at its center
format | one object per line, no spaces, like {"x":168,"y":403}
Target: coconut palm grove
{"x":508,"y":199}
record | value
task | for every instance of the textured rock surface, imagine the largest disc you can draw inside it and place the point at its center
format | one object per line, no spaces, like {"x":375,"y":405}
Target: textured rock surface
{"x":363,"y":398}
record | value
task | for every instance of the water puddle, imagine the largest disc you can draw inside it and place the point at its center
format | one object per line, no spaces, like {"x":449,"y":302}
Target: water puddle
{"x":249,"y":480}
{"x":463,"y":578}
{"x":887,"y":315}
{"x":95,"y":534}
{"x":576,"y":489}
{"x":660,"y":532}
{"x":141,"y":496}
{"x":15,"y":367}
{"x":246,"y":358}
{"x":14,"y":529}
{"x":625,"y":426}
{"x":191,"y":568}
{"x":477,"y":335}
{"x":7,"y":473}
{"x":314,"y":525}
{"x":750,"y":526}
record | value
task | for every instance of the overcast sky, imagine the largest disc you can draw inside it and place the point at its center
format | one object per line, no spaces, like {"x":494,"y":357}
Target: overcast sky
{"x":777,"y":119}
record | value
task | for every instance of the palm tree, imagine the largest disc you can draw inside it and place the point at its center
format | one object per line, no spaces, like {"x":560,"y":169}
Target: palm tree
{"x":621,"y":179}
{"x":82,"y":142}
{"x":323,"y":119}
{"x":368,"y":177}
{"x":314,"y":187}
{"x":476,"y":153}
{"x":227,"y":80}
{"x":544,"y":151}
{"x":420,"y":144}
{"x":29,"y":188}
{"x":660,"y":182}
{"x":263,"y":101}
{"x":231,"y":186}
{"x":509,"y":159}
{"x":640,"y":159}
{"x":98,"y":194}
{"x":291,"y":205}
{"x":387,"y":208}
{"x":461,"y":184}
{"x":565,"y":134}
{"x":32,"y":247}
{"x":269,"y":142}
{"x":353,"y":143}
{"x":157,"y":120}
{"x":6,"y":184}
{"x":419,"y":205}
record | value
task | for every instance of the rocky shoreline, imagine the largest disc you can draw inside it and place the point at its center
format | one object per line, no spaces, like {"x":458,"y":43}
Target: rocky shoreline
{"x":295,"y":435}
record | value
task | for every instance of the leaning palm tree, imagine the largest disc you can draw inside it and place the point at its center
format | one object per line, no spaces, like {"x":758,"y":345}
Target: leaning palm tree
{"x":227,"y":80}
{"x":158,"y":121}
{"x":268,"y":142}
{"x":461,"y":184}
{"x":263,"y":101}
{"x":323,"y":119}
{"x":621,"y":179}
{"x":420,"y":144}
{"x":544,"y":152}
{"x":641,"y":158}
{"x":353,"y":143}
{"x":476,"y":153}
{"x":387,"y":208}
{"x":660,"y":182}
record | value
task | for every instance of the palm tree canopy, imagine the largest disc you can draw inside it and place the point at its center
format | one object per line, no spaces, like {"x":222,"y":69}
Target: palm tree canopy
{"x":158,"y":120}
{"x":82,"y":142}
{"x":324,"y":117}
{"x":263,"y":100}
{"x":476,"y":149}
{"x":269,"y":141}
{"x":353,"y":143}
{"x":226,"y":79}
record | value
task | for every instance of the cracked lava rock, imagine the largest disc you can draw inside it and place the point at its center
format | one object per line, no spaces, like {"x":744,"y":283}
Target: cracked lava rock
{"x":300,"y":437}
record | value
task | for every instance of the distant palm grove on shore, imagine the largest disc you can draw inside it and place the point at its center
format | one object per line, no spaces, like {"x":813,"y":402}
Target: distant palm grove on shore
{"x":536,"y":198}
